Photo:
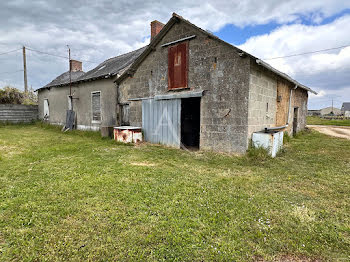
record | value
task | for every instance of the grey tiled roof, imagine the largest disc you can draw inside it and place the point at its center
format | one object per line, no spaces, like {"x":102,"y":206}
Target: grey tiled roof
{"x":110,"y":67}
{"x":113,"y":65}
{"x":64,"y":78}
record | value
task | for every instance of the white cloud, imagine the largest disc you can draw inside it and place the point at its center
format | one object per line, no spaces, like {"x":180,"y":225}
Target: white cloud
{"x":326,"y":72}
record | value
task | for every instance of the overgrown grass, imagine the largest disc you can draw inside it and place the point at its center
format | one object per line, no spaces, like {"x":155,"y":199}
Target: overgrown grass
{"x":75,"y":196}
{"x":315,"y":120}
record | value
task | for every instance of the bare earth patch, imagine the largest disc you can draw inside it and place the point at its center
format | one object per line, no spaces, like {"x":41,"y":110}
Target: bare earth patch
{"x":336,"y":131}
{"x":142,"y":164}
{"x":8,"y":151}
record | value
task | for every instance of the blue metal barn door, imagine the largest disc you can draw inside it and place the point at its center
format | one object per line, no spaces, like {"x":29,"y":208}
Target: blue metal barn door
{"x":161,"y":121}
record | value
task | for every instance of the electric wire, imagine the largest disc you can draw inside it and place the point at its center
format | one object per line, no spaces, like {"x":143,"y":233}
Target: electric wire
{"x":11,"y":72}
{"x":65,"y":57}
{"x":10,"y":51}
{"x":306,"y":53}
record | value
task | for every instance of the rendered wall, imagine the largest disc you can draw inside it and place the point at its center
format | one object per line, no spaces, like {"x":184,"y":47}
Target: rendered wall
{"x":58,"y":103}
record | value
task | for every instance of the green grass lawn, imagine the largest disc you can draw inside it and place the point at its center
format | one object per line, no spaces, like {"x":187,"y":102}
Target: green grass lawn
{"x":315,"y":120}
{"x":75,"y":196}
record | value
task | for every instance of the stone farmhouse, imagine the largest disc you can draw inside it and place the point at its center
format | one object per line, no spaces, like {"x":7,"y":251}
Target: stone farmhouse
{"x":186,"y":88}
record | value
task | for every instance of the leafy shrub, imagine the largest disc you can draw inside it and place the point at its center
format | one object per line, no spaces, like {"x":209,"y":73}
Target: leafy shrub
{"x":11,"y":95}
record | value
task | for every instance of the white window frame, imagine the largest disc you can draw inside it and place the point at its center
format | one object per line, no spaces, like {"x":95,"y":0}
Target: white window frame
{"x":92,"y":111}
{"x":46,"y":100}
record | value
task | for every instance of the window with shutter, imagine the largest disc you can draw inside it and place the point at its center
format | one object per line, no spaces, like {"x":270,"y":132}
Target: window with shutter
{"x":96,"y":106}
{"x":178,"y":66}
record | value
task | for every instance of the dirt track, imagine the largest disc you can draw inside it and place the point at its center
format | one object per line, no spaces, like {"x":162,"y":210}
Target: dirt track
{"x":336,"y":131}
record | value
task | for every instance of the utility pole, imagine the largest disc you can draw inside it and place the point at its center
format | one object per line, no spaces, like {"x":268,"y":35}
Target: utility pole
{"x":70,"y":72}
{"x":332,"y":106}
{"x":70,"y":81}
{"x":25,"y":71}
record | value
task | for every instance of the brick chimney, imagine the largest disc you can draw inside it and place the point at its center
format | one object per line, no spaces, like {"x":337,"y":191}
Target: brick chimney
{"x":76,"y":65}
{"x":156,"y":26}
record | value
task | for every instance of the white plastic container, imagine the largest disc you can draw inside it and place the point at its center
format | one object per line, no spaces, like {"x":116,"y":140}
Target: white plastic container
{"x":272,"y":142}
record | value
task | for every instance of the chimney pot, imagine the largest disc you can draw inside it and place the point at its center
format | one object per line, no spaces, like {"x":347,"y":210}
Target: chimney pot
{"x":75,"y":65}
{"x":156,"y":26}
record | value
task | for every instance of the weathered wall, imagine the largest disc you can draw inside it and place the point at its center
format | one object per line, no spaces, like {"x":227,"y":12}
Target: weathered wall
{"x":283,"y":94}
{"x":18,"y":113}
{"x":299,"y":100}
{"x":58,"y":104}
{"x":214,"y":67}
{"x":262,"y":99}
{"x":108,"y":103}
{"x":58,"y":100}
{"x":299,"y":97}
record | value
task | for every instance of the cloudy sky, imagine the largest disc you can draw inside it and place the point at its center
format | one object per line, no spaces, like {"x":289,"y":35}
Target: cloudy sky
{"x":97,"y":30}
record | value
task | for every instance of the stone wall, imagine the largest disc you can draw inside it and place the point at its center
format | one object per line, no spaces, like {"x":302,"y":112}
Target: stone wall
{"x":214,"y":67}
{"x":18,"y":113}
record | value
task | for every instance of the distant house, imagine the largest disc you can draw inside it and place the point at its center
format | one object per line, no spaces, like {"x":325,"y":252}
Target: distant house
{"x":345,"y":109}
{"x":186,"y":88}
{"x":330,"y":111}
{"x":327,"y":111}
{"x":314,"y":112}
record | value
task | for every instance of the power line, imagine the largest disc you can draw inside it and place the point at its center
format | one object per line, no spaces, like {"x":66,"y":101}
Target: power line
{"x":65,"y":57}
{"x":10,"y":51}
{"x":306,"y":53}
{"x":44,"y":53}
{"x":11,"y":72}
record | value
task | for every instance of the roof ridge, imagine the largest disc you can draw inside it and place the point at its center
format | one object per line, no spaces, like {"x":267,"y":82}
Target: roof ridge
{"x":122,"y":55}
{"x":169,"y":25}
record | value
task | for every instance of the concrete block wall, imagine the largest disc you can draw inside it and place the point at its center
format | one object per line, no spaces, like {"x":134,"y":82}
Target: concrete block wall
{"x":262,"y":100}
{"x":214,"y":67}
{"x":18,"y":113}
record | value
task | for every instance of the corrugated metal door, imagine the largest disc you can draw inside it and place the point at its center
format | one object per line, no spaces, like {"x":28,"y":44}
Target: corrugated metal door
{"x":161,"y":121}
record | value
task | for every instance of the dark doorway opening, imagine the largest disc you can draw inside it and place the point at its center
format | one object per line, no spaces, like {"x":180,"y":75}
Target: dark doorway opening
{"x":295,"y":121}
{"x":190,"y":122}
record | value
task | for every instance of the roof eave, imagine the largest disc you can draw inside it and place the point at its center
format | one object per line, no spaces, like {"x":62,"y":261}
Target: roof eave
{"x":105,"y":76}
{"x":283,"y":75}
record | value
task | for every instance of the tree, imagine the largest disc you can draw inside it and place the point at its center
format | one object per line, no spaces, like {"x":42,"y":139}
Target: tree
{"x":11,"y":95}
